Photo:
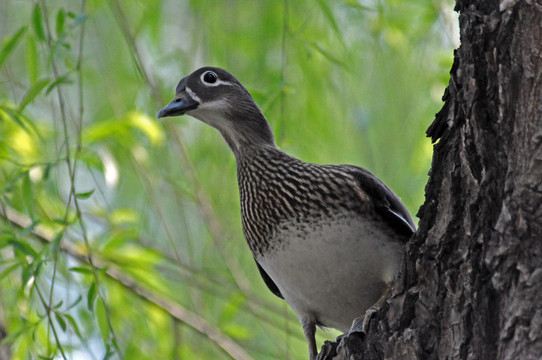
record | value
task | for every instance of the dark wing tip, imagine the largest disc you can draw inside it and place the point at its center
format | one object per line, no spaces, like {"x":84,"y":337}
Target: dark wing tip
{"x":268,"y":281}
{"x":386,"y":203}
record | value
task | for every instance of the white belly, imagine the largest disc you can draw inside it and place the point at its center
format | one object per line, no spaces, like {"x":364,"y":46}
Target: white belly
{"x":332,"y":275}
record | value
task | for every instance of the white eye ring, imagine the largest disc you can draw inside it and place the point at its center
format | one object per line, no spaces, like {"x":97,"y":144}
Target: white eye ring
{"x":216,"y":82}
{"x":209,"y":77}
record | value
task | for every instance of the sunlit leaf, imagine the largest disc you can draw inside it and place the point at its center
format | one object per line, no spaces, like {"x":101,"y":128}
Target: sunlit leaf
{"x":233,"y":307}
{"x":134,"y":255}
{"x":17,"y":117}
{"x":123,"y":216}
{"x":149,"y":126}
{"x":23,"y":141}
{"x":237,"y":331}
{"x":104,"y":129}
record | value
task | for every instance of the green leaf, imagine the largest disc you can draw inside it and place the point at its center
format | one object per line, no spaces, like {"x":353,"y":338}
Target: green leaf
{"x":60,"y":321}
{"x":32,"y":59}
{"x":149,"y":126}
{"x":237,"y":331}
{"x":5,"y":238}
{"x":232,"y":308}
{"x":91,"y":297}
{"x":18,"y":118}
{"x":64,"y":79}
{"x":61,"y":221}
{"x":55,"y":244}
{"x":81,"y":270}
{"x":329,"y":55}
{"x":356,"y":4}
{"x":31,"y":270}
{"x":28,"y":270}
{"x":60,"y":21}
{"x":84,"y":195}
{"x":328,"y":13}
{"x":47,"y":171}
{"x":103,"y":129}
{"x":5,"y":272}
{"x":77,"y":301}
{"x":73,"y":324}
{"x":34,"y":91}
{"x":37,"y":23}
{"x":28,"y":195}
{"x":9,"y":44}
{"x":101,"y":315}
{"x":108,"y":352}
{"x":23,"y":247}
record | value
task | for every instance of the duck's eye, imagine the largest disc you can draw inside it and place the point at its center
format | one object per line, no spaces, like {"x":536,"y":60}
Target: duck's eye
{"x":210,"y":77}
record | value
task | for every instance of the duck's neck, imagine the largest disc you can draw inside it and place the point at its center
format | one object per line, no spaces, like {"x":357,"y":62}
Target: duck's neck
{"x":242,"y":126}
{"x":246,"y":128}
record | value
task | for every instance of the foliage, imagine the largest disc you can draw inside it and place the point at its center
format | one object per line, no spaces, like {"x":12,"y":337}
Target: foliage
{"x":120,"y":235}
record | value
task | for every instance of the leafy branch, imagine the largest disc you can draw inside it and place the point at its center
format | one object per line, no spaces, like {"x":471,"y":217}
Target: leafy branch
{"x":113,"y":272}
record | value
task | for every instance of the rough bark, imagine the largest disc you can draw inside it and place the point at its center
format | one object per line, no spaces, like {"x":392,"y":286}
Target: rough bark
{"x":474,"y":282}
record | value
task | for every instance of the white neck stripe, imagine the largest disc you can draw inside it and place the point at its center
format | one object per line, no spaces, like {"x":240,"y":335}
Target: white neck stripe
{"x":192,"y":94}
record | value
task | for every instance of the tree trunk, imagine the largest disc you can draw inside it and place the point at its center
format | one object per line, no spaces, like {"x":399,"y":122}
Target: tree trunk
{"x":473,"y":288}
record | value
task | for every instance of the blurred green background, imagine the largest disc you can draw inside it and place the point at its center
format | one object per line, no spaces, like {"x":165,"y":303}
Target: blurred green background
{"x":120,"y":235}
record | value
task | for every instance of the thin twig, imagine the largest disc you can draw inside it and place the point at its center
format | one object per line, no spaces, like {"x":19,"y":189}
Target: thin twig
{"x":72,"y":166}
{"x":47,"y":307}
